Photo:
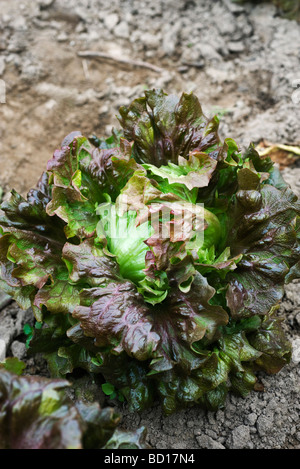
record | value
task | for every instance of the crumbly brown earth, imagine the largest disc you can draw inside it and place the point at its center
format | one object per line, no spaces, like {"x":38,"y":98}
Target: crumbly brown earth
{"x":242,"y":61}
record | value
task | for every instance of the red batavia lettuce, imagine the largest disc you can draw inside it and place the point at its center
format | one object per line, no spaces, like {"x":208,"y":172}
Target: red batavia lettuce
{"x":36,"y":413}
{"x":157,"y":257}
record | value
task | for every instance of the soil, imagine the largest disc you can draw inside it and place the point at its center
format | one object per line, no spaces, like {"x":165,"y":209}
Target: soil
{"x":242,"y":61}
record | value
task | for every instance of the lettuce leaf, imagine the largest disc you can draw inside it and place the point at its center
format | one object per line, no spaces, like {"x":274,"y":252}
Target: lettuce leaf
{"x":163,"y":127}
{"x":36,"y":413}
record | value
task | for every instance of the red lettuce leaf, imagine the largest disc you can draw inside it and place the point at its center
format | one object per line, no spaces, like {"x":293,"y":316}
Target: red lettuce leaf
{"x":163,"y":127}
{"x":264,"y":231}
{"x":117,"y":317}
{"x":36,"y":413}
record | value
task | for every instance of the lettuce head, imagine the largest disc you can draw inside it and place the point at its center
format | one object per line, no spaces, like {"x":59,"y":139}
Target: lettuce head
{"x":157,"y":257}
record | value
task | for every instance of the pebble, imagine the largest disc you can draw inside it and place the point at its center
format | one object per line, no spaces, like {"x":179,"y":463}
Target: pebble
{"x":45,"y":3}
{"x":103,"y":109}
{"x":2,"y":44}
{"x":19,"y":24}
{"x":16,"y":44}
{"x":227,"y":27}
{"x":6,"y":334}
{"x":18,"y":349}
{"x":251,"y":418}
{"x":236,"y":46}
{"x":206,"y":442}
{"x":296,"y":350}
{"x":122,"y":30}
{"x":62,"y":37}
{"x":151,"y":41}
{"x":170,"y":38}
{"x":264,"y":425}
{"x":233,"y":6}
{"x":241,"y":437}
{"x":111,"y":20}
{"x":297,"y":318}
{"x":2,"y":350}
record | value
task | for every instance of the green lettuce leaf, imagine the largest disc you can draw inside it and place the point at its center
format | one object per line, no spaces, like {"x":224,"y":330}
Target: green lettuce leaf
{"x":186,"y":177}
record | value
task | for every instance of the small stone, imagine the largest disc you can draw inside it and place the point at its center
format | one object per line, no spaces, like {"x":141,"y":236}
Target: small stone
{"x":178,"y":446}
{"x":103,"y":109}
{"x":122,"y":30}
{"x":51,"y":104}
{"x":2,"y":350}
{"x":6,"y":334}
{"x":227,"y":27}
{"x":6,"y":18}
{"x":45,"y":3}
{"x":241,"y":437}
{"x":2,"y":43}
{"x":264,"y":425}
{"x":183,"y":69}
{"x":297,"y":318}
{"x":235,"y":47}
{"x":170,"y":38}
{"x":192,"y":57}
{"x":19,"y":24}
{"x":209,"y":53}
{"x":62,"y":37}
{"x":151,"y":41}
{"x":296,"y":351}
{"x":18,"y":349}
{"x":234,"y":7}
{"x":251,"y":418}
{"x":111,"y":21}
{"x":206,"y":442}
